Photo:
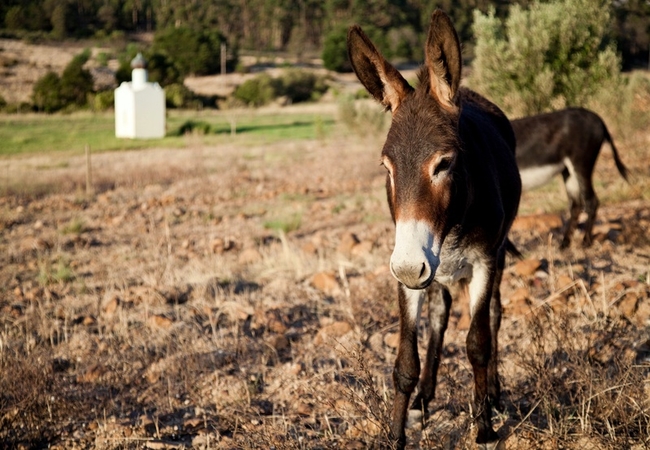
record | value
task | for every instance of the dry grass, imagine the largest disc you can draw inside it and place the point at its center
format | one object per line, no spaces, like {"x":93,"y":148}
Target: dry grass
{"x":164,"y":312}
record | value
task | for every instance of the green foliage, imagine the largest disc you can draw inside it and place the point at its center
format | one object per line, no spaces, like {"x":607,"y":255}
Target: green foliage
{"x":193,"y":51}
{"x":193,"y":127}
{"x":52,"y":93}
{"x":76,"y":82}
{"x":335,"y":51}
{"x":257,"y":91}
{"x":301,"y":86}
{"x":178,"y":96}
{"x":546,"y":57}
{"x":46,"y":94}
{"x":160,"y":68}
{"x":294,"y":84}
{"x":103,"y":100}
{"x":360,"y":117}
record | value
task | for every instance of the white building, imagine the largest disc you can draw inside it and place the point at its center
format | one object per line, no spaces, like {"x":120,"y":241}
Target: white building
{"x":139,"y":105}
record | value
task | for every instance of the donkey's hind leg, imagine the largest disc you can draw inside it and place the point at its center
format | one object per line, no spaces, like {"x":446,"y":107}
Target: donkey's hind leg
{"x":573,"y":190}
{"x":494,"y":386}
{"x":439,"y":306}
{"x":591,"y":207}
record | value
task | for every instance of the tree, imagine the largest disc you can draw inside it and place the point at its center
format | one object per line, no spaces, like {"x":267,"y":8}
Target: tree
{"x":45,"y":95}
{"x":549,"y":56}
{"x":193,"y":51}
{"x":76,"y":82}
{"x":335,"y":51}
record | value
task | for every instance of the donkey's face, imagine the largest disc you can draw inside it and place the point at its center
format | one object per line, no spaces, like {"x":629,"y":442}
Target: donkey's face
{"x":422,"y":148}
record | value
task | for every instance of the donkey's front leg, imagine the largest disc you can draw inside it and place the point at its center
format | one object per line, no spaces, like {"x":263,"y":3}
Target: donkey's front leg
{"x":479,"y":347}
{"x":439,"y":306}
{"x":407,"y":364}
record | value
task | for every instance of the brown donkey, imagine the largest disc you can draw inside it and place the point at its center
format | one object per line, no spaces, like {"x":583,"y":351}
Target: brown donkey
{"x":453,"y":190}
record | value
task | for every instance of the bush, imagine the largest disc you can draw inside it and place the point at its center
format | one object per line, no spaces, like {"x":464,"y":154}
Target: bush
{"x":46,"y":93}
{"x":546,"y":57}
{"x":160,"y":68}
{"x":257,"y":91}
{"x":76,"y":82}
{"x":178,"y":96}
{"x":193,"y":52}
{"x":52,"y":93}
{"x":335,"y":51}
{"x":301,"y":86}
{"x":103,"y":100}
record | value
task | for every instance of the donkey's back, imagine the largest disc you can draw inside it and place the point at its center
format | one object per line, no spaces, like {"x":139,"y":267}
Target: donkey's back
{"x":565,"y":142}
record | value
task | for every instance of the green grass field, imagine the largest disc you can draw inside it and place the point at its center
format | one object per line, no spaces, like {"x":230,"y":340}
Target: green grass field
{"x":69,"y":134}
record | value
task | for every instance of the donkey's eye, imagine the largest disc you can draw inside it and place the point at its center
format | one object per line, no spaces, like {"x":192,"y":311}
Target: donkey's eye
{"x":442,"y":166}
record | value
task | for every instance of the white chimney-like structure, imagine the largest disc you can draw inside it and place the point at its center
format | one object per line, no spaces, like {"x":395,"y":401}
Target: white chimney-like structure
{"x":139,"y":105}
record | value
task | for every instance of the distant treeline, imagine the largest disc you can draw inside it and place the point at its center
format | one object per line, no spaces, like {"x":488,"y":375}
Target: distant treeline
{"x":295,"y":26}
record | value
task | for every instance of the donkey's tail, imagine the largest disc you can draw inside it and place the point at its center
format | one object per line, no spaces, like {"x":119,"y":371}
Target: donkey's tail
{"x":619,"y":164}
{"x":513,"y":250}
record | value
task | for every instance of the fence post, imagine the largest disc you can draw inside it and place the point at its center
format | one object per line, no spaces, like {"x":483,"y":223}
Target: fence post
{"x":89,"y":174}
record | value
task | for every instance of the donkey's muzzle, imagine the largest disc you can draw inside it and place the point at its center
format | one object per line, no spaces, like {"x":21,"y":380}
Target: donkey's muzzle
{"x":413,"y":276}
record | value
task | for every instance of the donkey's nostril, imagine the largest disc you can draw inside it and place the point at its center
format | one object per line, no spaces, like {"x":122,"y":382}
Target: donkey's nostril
{"x":424,"y":268}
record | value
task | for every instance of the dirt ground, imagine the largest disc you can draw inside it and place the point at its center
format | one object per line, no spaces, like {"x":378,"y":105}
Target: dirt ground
{"x":239,"y":297}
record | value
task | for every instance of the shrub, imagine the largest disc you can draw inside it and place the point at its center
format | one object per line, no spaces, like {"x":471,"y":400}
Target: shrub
{"x":103,"y":100}
{"x":257,"y":91}
{"x":360,"y":117}
{"x":335,"y":51}
{"x":546,"y":57}
{"x":160,"y":68}
{"x":193,"y":127}
{"x":178,"y":96}
{"x":300,"y":86}
{"x":196,"y":52}
{"x":46,"y":93}
{"x":76,"y":82}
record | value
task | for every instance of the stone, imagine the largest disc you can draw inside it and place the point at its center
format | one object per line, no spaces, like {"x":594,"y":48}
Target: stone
{"x":325,"y":282}
{"x":527,"y":267}
{"x":111,"y":305}
{"x":249,"y":256}
{"x":391,"y":340}
{"x":160,"y":321}
{"x":540,"y":223}
{"x":335,"y":330}
{"x":347,"y":243}
{"x":362,"y":248}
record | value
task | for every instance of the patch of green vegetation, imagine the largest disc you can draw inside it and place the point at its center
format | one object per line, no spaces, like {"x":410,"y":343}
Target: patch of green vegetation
{"x":60,"y":272}
{"x":285,"y":224}
{"x":75,"y":226}
{"x":69,"y":134}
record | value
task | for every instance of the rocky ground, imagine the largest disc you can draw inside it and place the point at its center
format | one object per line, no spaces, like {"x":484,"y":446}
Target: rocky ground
{"x":239,"y":297}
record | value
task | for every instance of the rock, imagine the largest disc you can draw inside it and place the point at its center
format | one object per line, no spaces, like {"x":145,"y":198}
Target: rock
{"x":527,"y":267}
{"x":220,"y":245}
{"x":628,"y":305}
{"x":111,"y":305}
{"x":309,"y":248}
{"x":89,"y":320}
{"x":362,"y":248}
{"x":391,"y":340}
{"x":540,"y":223}
{"x":160,"y":321}
{"x":348,"y":241}
{"x":563,"y":281}
{"x":325,"y":282}
{"x":279,"y":342}
{"x":249,"y":256}
{"x":304,"y":408}
{"x":333,"y":331}
{"x":91,"y":374}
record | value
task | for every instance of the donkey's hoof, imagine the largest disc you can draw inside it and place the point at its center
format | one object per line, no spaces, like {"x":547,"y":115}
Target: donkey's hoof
{"x":414,"y":419}
{"x":498,"y":445}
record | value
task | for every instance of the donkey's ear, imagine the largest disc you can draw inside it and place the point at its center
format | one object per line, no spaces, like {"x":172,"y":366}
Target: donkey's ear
{"x":443,"y":59}
{"x":379,"y":77}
